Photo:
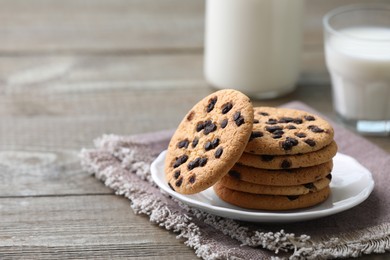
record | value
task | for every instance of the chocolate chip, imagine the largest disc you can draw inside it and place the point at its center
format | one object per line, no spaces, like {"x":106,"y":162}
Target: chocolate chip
{"x":235,"y":174}
{"x":200,"y":126}
{"x":329,"y":176}
{"x":190,"y":116}
{"x":310,"y":186}
{"x":278,"y":132}
{"x":263,"y":113}
{"x":297,"y":121}
{"x":300,"y":135}
{"x":224,"y":123}
{"x":310,"y":118}
{"x":256,"y":134}
{"x":238,"y":118}
{"x":183,"y":143}
{"x":195,"y":142}
{"x":289,"y":143}
{"x":202,"y":161}
{"x":291,"y":127}
{"x":226,"y":107}
{"x":236,"y":115}
{"x":218,"y":152}
{"x":192,"y":179}
{"x":286,"y":120}
{"x":180,"y":160}
{"x":267,"y":158}
{"x":315,"y":129}
{"x":277,"y":136}
{"x":292,"y":197}
{"x":310,"y":142}
{"x":211,"y":104}
{"x":255,"y":121}
{"x":208,"y":146}
{"x":193,"y":164}
{"x":273,"y":128}
{"x":285,"y":164}
{"x":211,"y":145}
{"x":179,"y":182}
{"x":215,"y":142}
{"x":240,"y":121}
{"x":170,"y":186}
{"x":209,"y":127}
{"x":272,"y":121}
{"x":176,"y":174}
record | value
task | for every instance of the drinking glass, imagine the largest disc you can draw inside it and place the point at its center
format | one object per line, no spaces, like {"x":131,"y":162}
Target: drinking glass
{"x":357,"y":52}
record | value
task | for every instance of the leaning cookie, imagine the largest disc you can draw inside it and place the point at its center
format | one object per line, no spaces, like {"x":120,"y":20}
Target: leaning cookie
{"x":289,"y":161}
{"x":280,"y":131}
{"x":300,"y":189}
{"x":270,"y":202}
{"x":208,"y":141}
{"x":284,"y":177}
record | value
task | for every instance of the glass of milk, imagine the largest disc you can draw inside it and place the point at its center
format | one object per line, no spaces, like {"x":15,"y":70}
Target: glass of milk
{"x":254,"y":45}
{"x":357,"y":51}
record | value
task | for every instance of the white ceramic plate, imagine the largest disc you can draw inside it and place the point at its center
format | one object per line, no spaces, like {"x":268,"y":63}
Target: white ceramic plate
{"x":351,"y":184}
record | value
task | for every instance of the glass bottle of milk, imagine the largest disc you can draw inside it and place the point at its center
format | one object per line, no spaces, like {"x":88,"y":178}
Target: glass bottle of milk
{"x":254,"y":45}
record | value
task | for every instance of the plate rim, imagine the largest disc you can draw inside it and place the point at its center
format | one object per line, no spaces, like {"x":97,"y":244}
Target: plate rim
{"x":263,"y":216}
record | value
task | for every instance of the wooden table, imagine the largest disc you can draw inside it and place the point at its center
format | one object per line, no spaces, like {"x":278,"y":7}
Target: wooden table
{"x":71,"y":71}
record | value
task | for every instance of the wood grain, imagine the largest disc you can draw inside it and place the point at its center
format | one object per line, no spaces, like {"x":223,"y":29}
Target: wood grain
{"x":91,"y":26}
{"x":45,"y":173}
{"x":81,"y":227}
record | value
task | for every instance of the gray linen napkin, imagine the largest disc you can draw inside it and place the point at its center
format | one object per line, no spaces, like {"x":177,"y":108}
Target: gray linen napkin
{"x":123,"y":163}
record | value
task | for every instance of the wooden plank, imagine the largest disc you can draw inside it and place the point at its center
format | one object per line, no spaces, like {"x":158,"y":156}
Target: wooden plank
{"x":45,"y":173}
{"x":78,"y":74}
{"x":90,"y":26}
{"x":68,"y":101}
{"x":63,"y":75}
{"x":82,"y":227}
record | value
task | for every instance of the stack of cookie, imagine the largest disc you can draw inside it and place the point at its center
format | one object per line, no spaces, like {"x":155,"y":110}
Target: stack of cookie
{"x":259,"y":158}
{"x":286,"y":163}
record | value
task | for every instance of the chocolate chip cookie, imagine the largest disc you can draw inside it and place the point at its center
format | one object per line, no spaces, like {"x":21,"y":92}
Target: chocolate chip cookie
{"x":234,"y":184}
{"x":283,"y":177}
{"x":270,"y":202}
{"x":266,"y":161}
{"x":281,"y":131}
{"x":208,"y":141}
